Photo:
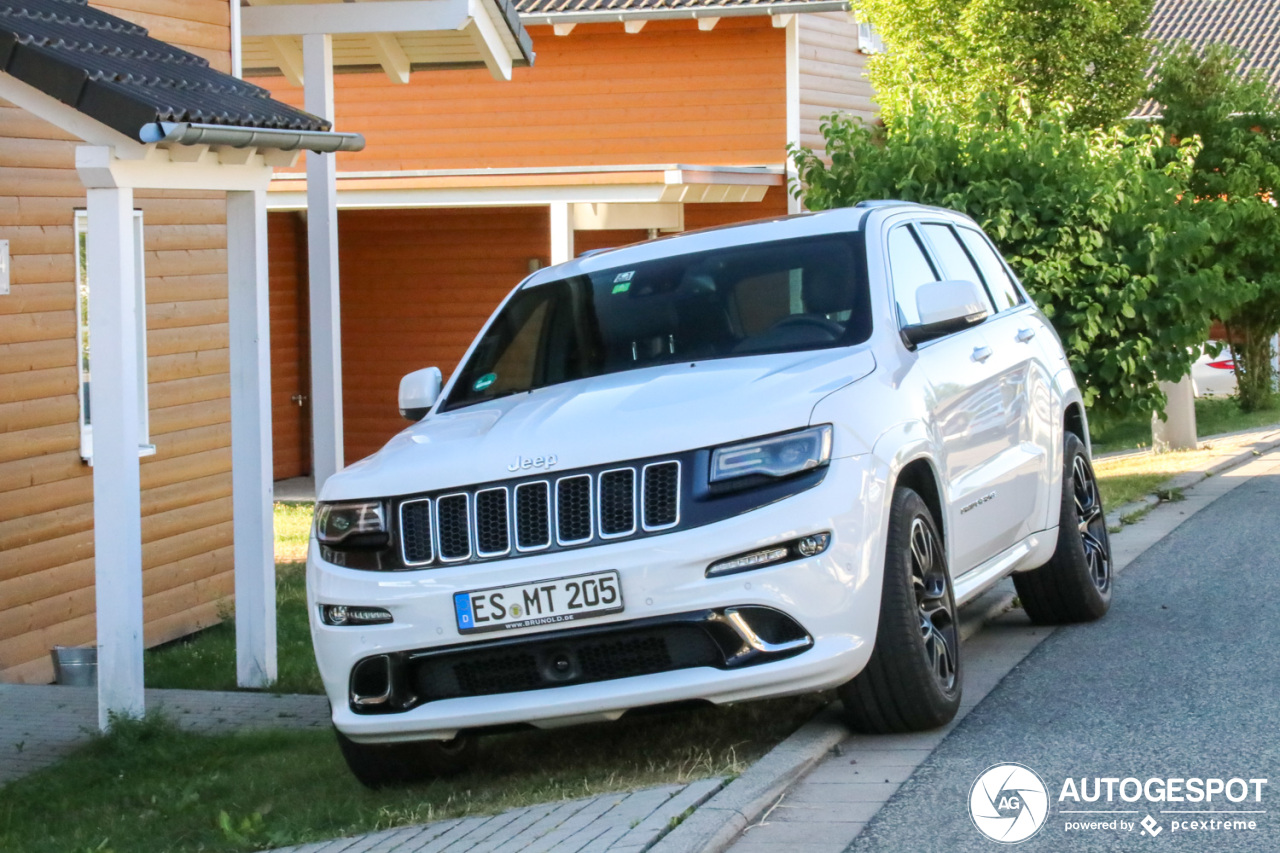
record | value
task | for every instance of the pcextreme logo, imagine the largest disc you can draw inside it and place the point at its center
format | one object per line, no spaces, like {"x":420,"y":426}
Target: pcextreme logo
{"x":1008,"y":803}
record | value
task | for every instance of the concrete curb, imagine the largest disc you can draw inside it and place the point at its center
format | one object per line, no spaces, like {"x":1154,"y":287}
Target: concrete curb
{"x":719,"y":821}
{"x":716,"y":825}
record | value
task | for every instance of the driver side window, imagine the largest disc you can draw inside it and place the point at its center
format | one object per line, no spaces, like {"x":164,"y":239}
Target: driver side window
{"x":909,"y":269}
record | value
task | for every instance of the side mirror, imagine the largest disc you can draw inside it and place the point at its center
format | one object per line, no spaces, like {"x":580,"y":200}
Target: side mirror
{"x":419,"y":391}
{"x":946,"y":307}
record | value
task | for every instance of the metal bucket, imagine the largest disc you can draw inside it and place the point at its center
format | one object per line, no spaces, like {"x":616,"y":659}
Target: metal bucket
{"x":75,"y":666}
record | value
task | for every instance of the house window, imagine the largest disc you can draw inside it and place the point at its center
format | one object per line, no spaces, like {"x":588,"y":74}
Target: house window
{"x":868,"y":39}
{"x":83,"y":281}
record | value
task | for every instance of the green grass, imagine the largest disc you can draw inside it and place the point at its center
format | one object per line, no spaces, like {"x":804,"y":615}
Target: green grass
{"x":150,"y":787}
{"x":207,"y":660}
{"x":1214,"y":415}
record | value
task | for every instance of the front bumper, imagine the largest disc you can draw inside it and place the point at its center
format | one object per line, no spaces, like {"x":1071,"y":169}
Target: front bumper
{"x":833,"y":596}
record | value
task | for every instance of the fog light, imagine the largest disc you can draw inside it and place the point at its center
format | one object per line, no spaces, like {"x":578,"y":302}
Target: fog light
{"x":811,"y":545}
{"x":796,"y":549}
{"x":341,"y":614}
{"x":747,"y":561}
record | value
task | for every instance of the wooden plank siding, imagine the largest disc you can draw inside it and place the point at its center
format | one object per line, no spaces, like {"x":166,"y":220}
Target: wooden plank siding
{"x":832,"y":74}
{"x":417,"y":285}
{"x":46,"y":491}
{"x":599,"y":96}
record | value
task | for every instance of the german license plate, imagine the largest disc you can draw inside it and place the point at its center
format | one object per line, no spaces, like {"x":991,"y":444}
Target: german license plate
{"x":542,"y":603}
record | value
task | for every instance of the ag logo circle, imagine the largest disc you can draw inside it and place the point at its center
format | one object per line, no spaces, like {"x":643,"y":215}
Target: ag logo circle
{"x":1008,"y":803}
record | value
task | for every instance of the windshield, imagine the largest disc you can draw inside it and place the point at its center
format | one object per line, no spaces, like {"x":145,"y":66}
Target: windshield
{"x":765,"y":298}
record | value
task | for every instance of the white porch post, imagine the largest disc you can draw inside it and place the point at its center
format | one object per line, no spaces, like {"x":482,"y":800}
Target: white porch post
{"x":322,"y":257}
{"x":117,"y":499}
{"x":561,"y":232}
{"x":251,"y":481}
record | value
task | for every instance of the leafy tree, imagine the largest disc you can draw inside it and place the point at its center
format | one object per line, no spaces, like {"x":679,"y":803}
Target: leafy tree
{"x":1233,"y":187}
{"x":945,"y":53}
{"x":1087,"y":218}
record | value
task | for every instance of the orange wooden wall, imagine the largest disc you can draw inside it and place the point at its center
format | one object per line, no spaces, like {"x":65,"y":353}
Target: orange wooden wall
{"x":599,"y":96}
{"x":46,"y":492}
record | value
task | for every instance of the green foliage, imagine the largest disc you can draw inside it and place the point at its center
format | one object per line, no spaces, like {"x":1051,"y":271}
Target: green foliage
{"x":947,"y":53}
{"x":1235,"y":179}
{"x":1087,"y":218}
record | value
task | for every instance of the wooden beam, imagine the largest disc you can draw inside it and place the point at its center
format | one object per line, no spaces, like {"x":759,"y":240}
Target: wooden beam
{"x":707,"y":24}
{"x":250,"y":326}
{"x":322,"y":258}
{"x":287,"y":55}
{"x":117,"y":495}
{"x":633,"y":27}
{"x":391,"y":56}
{"x":562,"y":29}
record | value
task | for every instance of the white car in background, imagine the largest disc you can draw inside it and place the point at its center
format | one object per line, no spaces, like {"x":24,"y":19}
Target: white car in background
{"x":1215,"y":375}
{"x":750,"y":461}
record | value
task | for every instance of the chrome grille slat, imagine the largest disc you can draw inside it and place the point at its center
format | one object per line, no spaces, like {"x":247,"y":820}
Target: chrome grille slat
{"x":616,"y":503}
{"x":574,"y":509}
{"x":493,"y":538}
{"x":535,"y":515}
{"x":453,"y":528}
{"x":661,"y":495}
{"x":416,"y":547}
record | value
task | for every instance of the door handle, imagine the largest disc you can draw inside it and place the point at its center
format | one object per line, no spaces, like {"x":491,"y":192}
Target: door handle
{"x":981,"y":353}
{"x":299,"y":398}
{"x":1025,"y":335}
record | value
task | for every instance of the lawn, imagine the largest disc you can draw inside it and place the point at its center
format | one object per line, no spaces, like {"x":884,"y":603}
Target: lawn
{"x":207,"y":660}
{"x":149,"y":787}
{"x":1214,"y":416}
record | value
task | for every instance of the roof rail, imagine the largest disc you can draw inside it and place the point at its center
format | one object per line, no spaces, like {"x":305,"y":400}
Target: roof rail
{"x":884,"y":202}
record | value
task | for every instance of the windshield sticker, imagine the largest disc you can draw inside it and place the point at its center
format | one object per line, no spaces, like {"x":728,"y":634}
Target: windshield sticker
{"x":621,"y":288}
{"x":485,"y":381}
{"x":623,"y":276}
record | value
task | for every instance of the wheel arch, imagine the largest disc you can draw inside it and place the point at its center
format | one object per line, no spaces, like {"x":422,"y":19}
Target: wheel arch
{"x":920,"y":476}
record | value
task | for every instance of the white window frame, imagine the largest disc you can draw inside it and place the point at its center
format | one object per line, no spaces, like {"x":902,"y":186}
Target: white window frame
{"x":145,"y":447}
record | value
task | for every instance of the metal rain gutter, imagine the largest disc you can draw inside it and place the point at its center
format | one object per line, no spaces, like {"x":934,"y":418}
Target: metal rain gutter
{"x":189,"y":133}
{"x":773,"y":9}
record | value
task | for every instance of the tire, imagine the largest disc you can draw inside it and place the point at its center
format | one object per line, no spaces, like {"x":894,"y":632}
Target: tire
{"x":1075,"y":585}
{"x":913,"y":680}
{"x":378,"y":765}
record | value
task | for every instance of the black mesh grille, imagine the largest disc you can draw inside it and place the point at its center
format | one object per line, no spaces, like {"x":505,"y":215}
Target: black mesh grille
{"x":573,"y":508}
{"x":555,"y":662}
{"x":455,"y":543}
{"x":491,"y":522}
{"x":533,"y":515}
{"x":415,"y":530}
{"x":617,"y":502}
{"x":661,"y":494}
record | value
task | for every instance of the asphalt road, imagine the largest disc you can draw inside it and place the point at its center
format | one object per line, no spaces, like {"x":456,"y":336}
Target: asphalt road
{"x":1180,"y":680}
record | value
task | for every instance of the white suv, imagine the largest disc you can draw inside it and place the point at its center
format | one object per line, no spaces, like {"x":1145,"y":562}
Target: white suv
{"x":743,"y":462}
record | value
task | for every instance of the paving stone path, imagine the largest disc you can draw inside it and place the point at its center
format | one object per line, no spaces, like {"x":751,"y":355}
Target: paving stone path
{"x":618,"y":823}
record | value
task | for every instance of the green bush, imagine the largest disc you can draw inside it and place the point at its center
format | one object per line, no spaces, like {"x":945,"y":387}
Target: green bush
{"x":1087,"y":218}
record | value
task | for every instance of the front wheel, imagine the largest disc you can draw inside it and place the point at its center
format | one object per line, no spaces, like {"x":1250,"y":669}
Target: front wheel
{"x":912,"y":681}
{"x":382,"y":765}
{"x":1075,"y":585}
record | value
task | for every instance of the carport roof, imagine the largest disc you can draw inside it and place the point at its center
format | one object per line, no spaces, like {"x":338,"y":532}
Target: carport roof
{"x":539,"y":8}
{"x":1252,"y":26}
{"x":114,"y":72}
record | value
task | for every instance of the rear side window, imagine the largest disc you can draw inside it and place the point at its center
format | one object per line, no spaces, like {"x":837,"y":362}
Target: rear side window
{"x":909,"y":268}
{"x":1001,"y":285}
{"x":955,"y":261}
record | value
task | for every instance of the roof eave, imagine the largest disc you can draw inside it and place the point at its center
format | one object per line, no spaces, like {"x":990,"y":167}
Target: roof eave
{"x":614,"y":15}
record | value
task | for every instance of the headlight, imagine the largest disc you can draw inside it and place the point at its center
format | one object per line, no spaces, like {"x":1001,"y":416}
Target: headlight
{"x":351,"y":525}
{"x":775,"y":456}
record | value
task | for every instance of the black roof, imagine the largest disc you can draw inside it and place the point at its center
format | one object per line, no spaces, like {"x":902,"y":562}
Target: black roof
{"x":113,"y":71}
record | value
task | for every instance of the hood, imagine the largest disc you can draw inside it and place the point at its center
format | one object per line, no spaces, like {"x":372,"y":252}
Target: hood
{"x":620,"y":416}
